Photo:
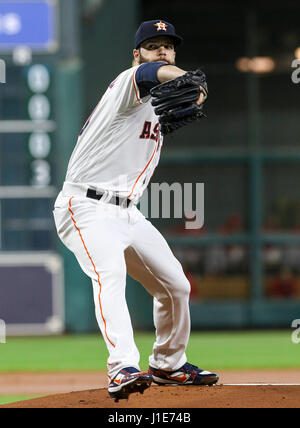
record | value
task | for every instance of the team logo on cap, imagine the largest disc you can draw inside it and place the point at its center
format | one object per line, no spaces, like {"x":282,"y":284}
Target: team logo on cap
{"x":161,"y":26}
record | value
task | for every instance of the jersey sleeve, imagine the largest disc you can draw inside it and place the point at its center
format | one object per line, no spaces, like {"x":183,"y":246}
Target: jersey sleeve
{"x":146,"y":76}
{"x":126,"y":92}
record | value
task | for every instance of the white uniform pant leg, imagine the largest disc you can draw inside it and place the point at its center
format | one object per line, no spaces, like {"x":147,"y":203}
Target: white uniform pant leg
{"x":151,"y":262}
{"x":98,"y":237}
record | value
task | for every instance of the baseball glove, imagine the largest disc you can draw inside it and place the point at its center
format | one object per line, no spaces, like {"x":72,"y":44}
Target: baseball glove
{"x":175,"y":101}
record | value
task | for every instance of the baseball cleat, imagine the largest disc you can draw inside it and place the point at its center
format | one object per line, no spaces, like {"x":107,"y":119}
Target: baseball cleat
{"x":128,"y":381}
{"x":186,"y":375}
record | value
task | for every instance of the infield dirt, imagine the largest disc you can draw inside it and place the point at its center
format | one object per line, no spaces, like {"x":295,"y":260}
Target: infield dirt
{"x":88,"y":390}
{"x":219,"y":396}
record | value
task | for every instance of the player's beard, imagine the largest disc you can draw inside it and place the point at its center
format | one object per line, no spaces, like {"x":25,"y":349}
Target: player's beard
{"x":143,"y":60}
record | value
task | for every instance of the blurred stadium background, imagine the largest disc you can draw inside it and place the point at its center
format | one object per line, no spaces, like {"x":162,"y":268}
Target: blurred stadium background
{"x":244,"y":265}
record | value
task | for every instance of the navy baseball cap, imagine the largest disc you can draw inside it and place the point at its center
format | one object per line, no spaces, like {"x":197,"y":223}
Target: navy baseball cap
{"x":155,"y":28}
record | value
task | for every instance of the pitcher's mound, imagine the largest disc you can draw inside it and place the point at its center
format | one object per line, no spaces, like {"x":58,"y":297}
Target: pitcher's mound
{"x":176,"y":397}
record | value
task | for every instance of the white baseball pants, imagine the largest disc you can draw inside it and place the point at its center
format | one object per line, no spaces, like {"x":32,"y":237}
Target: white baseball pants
{"x":110,"y":241}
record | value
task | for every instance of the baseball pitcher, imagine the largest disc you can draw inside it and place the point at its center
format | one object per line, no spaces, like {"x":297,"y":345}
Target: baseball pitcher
{"x":97,"y":218}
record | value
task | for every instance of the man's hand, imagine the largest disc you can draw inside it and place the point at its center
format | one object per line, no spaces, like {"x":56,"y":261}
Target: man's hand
{"x":203,"y":96}
{"x":200,"y":99}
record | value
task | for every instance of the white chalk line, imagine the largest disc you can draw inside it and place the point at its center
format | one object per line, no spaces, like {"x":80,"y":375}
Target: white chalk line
{"x":260,"y":384}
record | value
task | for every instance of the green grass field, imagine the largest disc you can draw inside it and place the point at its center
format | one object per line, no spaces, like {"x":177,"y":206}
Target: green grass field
{"x":209,"y":350}
{"x":6,"y":399}
{"x":218,"y":350}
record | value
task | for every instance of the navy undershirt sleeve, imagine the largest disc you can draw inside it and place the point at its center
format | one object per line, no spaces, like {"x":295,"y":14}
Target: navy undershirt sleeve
{"x":146,"y":76}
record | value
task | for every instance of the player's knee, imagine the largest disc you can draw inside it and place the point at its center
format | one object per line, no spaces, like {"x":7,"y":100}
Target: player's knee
{"x":183,"y":288}
{"x":186,"y":287}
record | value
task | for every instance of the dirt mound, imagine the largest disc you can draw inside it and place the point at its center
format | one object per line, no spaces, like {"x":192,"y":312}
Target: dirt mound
{"x":176,"y":397}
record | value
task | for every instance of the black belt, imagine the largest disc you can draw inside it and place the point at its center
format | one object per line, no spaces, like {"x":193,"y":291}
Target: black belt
{"x":114,"y":200}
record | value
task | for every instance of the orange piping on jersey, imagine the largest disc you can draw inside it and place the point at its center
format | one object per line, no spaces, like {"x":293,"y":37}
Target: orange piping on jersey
{"x":142,"y":172}
{"x":154,"y":168}
{"x":135,"y":90}
{"x":78,"y":230}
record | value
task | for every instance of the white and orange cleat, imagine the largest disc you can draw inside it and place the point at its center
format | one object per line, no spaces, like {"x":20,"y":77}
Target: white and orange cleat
{"x":185,"y":375}
{"x":128,"y":381}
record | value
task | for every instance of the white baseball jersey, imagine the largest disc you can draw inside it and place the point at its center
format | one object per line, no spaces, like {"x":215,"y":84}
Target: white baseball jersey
{"x":119,"y":146}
